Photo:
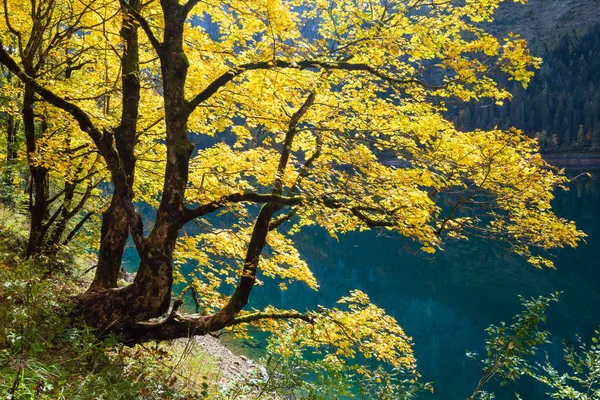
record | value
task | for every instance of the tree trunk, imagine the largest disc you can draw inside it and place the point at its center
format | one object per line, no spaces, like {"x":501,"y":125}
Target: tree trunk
{"x":147,"y":297}
{"x":115,"y":226}
{"x":150,"y":293}
{"x":12,"y":129}
{"x":113,"y":238}
{"x":38,"y":190}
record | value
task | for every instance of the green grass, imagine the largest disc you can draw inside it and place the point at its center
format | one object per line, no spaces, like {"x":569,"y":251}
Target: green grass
{"x":43,"y":356}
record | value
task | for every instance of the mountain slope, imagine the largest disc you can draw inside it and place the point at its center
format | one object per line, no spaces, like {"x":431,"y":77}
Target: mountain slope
{"x":545,"y":22}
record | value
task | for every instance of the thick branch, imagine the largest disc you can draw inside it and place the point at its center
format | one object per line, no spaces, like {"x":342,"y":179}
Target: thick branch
{"x":258,"y":239}
{"x":257,"y":316}
{"x":287,"y":143}
{"x":145,"y":26}
{"x":345,"y":66}
{"x":176,"y":326}
{"x":187,"y":7}
{"x":239,"y":198}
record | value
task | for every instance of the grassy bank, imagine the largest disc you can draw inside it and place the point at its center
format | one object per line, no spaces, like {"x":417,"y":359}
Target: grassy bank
{"x":43,"y":355}
{"x":46,"y":354}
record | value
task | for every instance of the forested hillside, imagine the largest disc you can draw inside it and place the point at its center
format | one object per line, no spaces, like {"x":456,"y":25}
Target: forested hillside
{"x":562,"y":103}
{"x":544,"y":22}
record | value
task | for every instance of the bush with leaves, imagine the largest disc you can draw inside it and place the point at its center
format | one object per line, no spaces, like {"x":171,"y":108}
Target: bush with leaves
{"x":509,"y":347}
{"x":582,"y":382}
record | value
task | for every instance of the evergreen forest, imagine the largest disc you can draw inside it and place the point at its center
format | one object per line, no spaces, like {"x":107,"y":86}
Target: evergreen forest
{"x":561,"y":106}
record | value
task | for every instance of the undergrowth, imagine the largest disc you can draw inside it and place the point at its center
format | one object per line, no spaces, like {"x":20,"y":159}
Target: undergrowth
{"x":43,"y":356}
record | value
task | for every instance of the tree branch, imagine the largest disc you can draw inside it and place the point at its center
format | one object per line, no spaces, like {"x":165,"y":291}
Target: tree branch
{"x":301,"y":65}
{"x":187,"y":7}
{"x":48,"y":224}
{"x":208,"y":208}
{"x":287,"y":143}
{"x":258,"y":239}
{"x":370,"y":222}
{"x":307,"y":164}
{"x":80,"y":116}
{"x":179,"y":301}
{"x":145,"y":26}
{"x":282,"y":219}
{"x":176,"y":326}
{"x":11,"y":29}
{"x":77,"y":228}
{"x":359,"y":212}
{"x":257,"y":316}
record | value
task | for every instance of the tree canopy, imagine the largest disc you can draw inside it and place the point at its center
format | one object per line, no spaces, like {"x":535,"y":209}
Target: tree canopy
{"x":254,"y":120}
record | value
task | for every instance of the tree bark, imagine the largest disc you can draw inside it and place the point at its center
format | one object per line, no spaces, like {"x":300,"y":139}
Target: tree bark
{"x":113,"y":238}
{"x":147,"y":297}
{"x":115,"y":222}
{"x":38,"y":189}
{"x":150,"y":293}
{"x":12,"y":129}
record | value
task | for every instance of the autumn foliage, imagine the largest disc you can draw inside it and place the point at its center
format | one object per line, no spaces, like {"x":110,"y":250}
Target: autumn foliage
{"x":254,"y":120}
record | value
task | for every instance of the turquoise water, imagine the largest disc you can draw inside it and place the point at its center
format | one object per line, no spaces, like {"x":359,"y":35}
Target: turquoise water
{"x":445,"y":302}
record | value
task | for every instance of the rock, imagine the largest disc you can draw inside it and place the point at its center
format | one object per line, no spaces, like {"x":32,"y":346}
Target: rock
{"x":231,"y":365}
{"x":126,"y":276}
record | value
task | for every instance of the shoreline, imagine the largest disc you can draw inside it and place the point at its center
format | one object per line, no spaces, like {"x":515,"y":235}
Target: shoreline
{"x":574,"y":161}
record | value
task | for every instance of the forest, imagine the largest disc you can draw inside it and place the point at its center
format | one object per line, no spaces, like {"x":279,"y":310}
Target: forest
{"x":561,"y":105}
{"x":163,"y":161}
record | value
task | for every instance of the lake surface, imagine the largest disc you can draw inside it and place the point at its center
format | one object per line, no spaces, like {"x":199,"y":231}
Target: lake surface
{"x":445,"y":302}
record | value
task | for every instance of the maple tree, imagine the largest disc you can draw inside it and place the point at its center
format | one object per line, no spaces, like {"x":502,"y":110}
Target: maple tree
{"x":257,"y":119}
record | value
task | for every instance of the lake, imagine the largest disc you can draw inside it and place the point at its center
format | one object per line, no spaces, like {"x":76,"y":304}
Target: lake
{"x":445,"y":302}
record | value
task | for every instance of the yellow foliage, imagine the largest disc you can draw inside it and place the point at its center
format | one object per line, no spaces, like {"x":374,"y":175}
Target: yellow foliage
{"x":359,"y":328}
{"x":372,"y":150}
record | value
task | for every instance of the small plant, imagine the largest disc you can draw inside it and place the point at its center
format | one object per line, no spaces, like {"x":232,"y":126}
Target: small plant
{"x":582,"y":382}
{"x":510,"y":347}
{"x":43,"y":355}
